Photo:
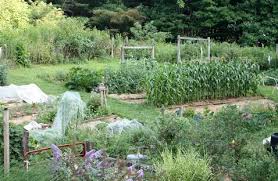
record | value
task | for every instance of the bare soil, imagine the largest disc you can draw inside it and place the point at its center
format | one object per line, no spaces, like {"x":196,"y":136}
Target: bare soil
{"x":92,"y":123}
{"x":216,"y":105}
{"x":130,"y":98}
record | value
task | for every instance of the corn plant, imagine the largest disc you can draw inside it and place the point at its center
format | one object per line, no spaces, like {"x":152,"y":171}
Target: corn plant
{"x":170,"y":84}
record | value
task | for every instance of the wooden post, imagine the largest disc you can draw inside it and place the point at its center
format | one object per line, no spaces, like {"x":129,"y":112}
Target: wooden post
{"x":208,"y":48}
{"x":6,"y":141}
{"x":112,"y":47}
{"x":277,"y":49}
{"x":122,"y":54}
{"x":153,"y":52}
{"x":126,"y":40}
{"x":25,"y":147}
{"x":103,"y":91}
{"x":179,"y":49}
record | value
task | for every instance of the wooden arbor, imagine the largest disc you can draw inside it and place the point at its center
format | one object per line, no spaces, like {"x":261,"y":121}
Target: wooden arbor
{"x":180,"y":38}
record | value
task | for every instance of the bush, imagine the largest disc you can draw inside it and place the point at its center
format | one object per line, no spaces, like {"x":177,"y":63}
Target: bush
{"x":83,"y":79}
{"x":185,"y":165}
{"x":3,"y":75}
{"x":94,"y":107}
{"x":22,"y":56}
{"x":175,"y":84}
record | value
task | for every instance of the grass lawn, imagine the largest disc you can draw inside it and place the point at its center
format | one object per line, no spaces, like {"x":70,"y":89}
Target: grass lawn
{"x":20,"y":76}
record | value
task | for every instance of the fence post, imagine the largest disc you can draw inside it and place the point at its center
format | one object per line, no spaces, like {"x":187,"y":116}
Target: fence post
{"x":179,"y":49}
{"x":277,"y":49}
{"x":122,"y":54}
{"x":208,"y":48}
{"x":112,"y":47}
{"x":6,"y":141}
{"x":126,"y":40}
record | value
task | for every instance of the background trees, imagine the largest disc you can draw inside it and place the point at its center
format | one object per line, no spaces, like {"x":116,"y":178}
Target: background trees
{"x":248,"y":22}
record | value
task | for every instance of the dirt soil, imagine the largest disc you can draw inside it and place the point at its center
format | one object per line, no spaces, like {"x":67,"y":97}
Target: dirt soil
{"x":130,"y":98}
{"x":91,"y":124}
{"x":216,"y":105}
{"x":17,"y":114}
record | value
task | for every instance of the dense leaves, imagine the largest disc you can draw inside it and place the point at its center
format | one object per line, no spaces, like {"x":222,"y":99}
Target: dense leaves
{"x":3,"y":75}
{"x":247,"y":22}
{"x":175,"y":84}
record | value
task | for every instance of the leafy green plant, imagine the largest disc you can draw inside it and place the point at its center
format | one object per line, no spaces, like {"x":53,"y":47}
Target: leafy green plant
{"x":128,"y":79}
{"x":175,"y":84}
{"x":22,"y":56}
{"x":3,"y":75}
{"x":185,"y":165}
{"x":94,"y":107}
{"x":83,"y":79}
{"x":16,"y":133}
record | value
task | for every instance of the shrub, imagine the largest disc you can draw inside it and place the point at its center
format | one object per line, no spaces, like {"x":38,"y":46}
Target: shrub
{"x":185,"y":165}
{"x":174,"y":84}
{"x":3,"y":75}
{"x":94,"y":107}
{"x":83,"y":79}
{"x":22,"y":56}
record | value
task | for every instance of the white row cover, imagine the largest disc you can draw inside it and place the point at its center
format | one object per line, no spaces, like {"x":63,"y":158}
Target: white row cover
{"x":28,"y":93}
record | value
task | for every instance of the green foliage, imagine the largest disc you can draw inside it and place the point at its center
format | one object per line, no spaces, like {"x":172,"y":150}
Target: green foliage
{"x":47,"y":113}
{"x":16,"y":133}
{"x":148,"y":32}
{"x":128,"y":142}
{"x":3,"y":75}
{"x":118,"y":21}
{"x":271,"y":73}
{"x":94,"y":107}
{"x":22,"y":56}
{"x":83,"y":79}
{"x":174,"y":84}
{"x":128,"y":79}
{"x":185,"y":165}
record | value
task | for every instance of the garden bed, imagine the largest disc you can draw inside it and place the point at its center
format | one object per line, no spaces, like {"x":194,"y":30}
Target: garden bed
{"x":216,"y":105}
{"x":130,"y":98}
{"x":92,"y":123}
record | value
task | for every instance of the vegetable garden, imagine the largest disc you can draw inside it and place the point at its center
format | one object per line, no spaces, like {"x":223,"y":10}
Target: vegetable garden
{"x":74,"y":126}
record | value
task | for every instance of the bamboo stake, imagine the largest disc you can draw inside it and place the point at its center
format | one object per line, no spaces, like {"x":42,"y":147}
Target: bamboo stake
{"x":6,"y":141}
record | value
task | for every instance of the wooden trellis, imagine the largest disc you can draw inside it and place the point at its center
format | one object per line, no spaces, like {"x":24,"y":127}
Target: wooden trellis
{"x":180,"y":38}
{"x":123,"y":48}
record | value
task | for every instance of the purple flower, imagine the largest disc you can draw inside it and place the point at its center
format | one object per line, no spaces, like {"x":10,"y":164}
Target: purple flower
{"x":140,"y":173}
{"x":98,"y":154}
{"x":90,"y":155}
{"x":129,"y":179}
{"x":130,"y":168}
{"x":104,"y":164}
{"x":57,"y":153}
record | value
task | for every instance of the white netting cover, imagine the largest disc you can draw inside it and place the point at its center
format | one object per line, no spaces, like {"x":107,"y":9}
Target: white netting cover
{"x":71,"y":108}
{"x":123,"y":125}
{"x":29,"y":93}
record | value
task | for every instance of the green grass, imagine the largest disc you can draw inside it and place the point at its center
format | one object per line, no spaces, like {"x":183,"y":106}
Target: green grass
{"x":20,"y":76}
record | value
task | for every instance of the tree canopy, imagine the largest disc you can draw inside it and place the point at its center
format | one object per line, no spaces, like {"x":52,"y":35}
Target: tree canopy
{"x":249,"y":22}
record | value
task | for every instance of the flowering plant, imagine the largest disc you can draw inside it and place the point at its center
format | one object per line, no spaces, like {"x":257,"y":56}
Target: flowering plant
{"x":96,"y":165}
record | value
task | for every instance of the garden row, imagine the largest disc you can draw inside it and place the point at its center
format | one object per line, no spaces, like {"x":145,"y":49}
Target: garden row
{"x":169,"y":84}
